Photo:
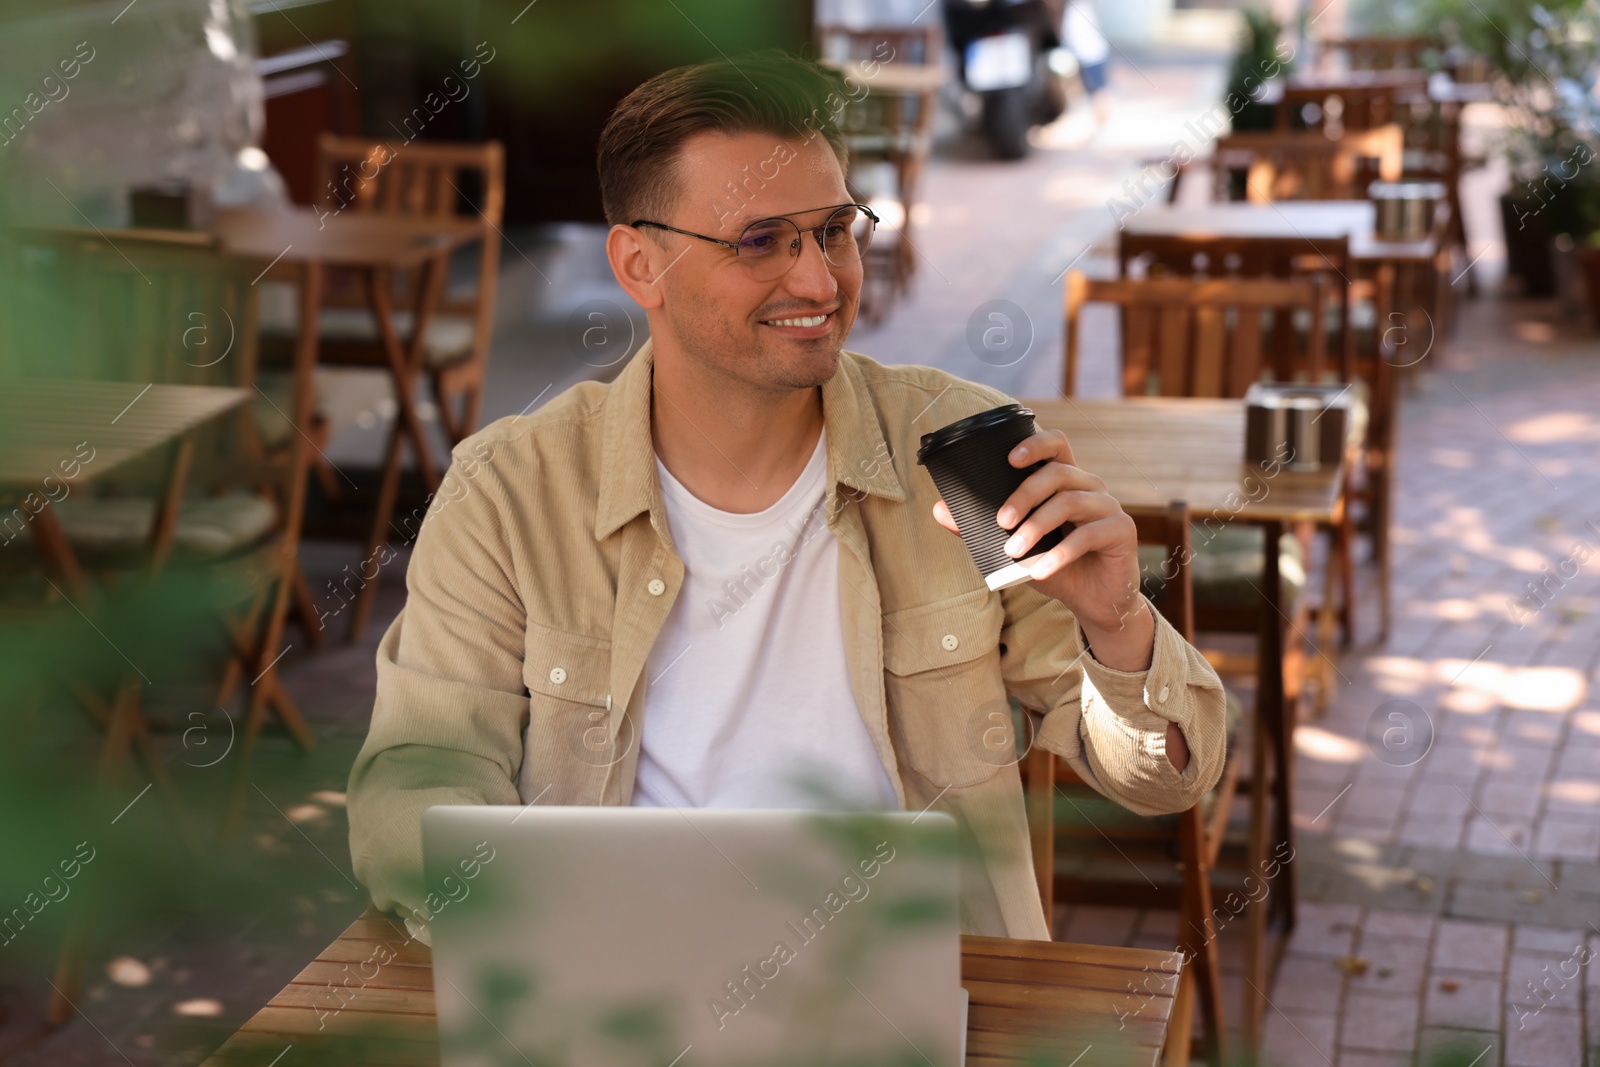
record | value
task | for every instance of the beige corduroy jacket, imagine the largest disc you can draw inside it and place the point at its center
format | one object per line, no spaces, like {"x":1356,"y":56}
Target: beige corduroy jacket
{"x":545,"y":570}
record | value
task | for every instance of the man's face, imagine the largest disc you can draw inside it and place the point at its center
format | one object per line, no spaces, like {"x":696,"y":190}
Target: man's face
{"x":718,"y":314}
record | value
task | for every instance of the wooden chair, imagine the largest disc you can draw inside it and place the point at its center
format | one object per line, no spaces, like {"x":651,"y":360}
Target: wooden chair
{"x":418,"y":179}
{"x":1338,"y":108}
{"x":1207,"y":338}
{"x":891,"y":123}
{"x":1261,"y":166}
{"x":172,"y":308}
{"x":1160,"y":255}
{"x":1376,"y":53}
{"x":1064,"y":813}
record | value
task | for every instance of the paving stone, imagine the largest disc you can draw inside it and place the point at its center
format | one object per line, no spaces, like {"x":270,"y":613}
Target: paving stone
{"x":1392,"y":966}
{"x":1323,"y":929}
{"x":1572,"y":793}
{"x":1436,"y":798}
{"x":1499,"y":835}
{"x":1515,"y":798}
{"x":1470,"y":946}
{"x":1464,"y":999}
{"x":1528,"y":939}
{"x":1379,"y":925}
{"x":1551,"y":1039}
{"x":1385,"y":1022}
{"x":1297,"y":1039}
{"x":1307,"y":984}
{"x":1541,"y":983}
{"x":1560,"y":837}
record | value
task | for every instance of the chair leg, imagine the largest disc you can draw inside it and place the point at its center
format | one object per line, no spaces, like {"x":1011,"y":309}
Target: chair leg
{"x":1180,"y":1024}
{"x":305,"y":608}
{"x":1255,"y":972}
{"x":1199,"y":936}
{"x":70,"y":964}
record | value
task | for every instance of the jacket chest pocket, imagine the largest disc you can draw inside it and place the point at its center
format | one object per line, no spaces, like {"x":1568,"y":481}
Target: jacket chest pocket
{"x":569,"y":740}
{"x":949,"y":717}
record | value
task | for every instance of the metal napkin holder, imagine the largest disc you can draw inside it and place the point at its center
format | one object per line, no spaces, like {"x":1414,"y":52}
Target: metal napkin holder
{"x":1299,"y":426}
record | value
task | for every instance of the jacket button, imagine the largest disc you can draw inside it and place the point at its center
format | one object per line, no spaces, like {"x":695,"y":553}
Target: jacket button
{"x":656,"y":587}
{"x":1161,"y":697}
{"x":949,"y":642}
{"x":558,"y":675}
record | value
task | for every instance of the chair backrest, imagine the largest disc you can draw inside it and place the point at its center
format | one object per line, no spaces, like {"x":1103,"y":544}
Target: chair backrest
{"x":1184,"y":256}
{"x":1169,"y":528}
{"x":430,"y":179}
{"x":1307,"y":165}
{"x":152,"y":306}
{"x":420,"y":178}
{"x":879,"y":121}
{"x":1201,"y":338}
{"x":1375,"y":53}
{"x":166,"y":306}
{"x":1337,"y":108}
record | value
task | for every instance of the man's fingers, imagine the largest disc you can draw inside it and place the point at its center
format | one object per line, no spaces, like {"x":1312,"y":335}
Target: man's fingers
{"x":1089,"y":537}
{"x":1071,"y":506}
{"x":1041,"y":485}
{"x":941,"y":515}
{"x":1044,"y":444}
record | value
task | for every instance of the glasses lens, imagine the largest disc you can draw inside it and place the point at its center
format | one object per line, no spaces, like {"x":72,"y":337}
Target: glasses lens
{"x":767,"y":248}
{"x":848,"y":233}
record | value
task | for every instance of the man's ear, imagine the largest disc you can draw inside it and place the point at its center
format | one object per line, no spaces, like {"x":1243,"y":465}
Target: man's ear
{"x":636,"y":261}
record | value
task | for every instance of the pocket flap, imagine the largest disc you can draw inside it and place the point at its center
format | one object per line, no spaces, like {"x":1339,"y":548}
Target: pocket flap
{"x":944,"y":633}
{"x":570,"y":666}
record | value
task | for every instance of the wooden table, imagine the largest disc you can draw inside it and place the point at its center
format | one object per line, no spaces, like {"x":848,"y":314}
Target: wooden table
{"x":1025,"y":996}
{"x":1355,"y":219}
{"x":43,"y":421}
{"x":301,"y":244}
{"x":1151,"y":451}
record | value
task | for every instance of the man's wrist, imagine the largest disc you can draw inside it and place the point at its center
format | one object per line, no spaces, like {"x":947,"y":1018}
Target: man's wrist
{"x":1130,"y":645}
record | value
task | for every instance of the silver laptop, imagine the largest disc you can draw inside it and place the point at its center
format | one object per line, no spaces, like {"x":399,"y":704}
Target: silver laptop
{"x":656,"y":937}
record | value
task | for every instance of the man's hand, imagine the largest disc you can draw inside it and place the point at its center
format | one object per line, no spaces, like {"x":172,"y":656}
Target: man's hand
{"x":1094,"y":571}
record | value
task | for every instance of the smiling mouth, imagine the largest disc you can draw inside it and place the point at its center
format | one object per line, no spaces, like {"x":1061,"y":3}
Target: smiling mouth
{"x":801,"y":321}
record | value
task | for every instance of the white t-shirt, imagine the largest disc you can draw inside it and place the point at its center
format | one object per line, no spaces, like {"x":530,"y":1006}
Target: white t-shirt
{"x":748,"y":692}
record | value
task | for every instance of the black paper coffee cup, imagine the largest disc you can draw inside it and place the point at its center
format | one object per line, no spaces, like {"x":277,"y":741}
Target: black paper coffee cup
{"x":967,"y":460}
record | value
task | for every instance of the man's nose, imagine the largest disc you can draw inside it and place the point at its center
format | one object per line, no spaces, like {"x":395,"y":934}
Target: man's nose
{"x":811,"y":276}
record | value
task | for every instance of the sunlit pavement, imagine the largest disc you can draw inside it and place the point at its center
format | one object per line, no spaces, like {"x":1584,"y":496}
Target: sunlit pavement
{"x":1445,"y":902}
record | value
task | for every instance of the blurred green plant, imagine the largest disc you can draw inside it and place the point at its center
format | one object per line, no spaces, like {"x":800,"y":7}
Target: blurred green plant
{"x":1260,"y":58}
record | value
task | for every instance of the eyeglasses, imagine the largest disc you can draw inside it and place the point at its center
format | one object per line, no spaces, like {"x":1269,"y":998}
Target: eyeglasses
{"x":769,"y":248}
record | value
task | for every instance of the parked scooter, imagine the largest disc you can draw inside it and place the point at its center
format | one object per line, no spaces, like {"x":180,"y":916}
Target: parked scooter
{"x":1003,"y":49}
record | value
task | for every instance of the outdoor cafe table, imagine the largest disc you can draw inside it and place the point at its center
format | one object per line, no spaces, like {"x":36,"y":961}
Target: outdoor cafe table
{"x":1151,"y":451}
{"x":1027,"y":997}
{"x":301,"y":244}
{"x":1355,"y":219}
{"x":42,"y":422}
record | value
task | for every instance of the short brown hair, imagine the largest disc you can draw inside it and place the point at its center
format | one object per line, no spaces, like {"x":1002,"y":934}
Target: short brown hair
{"x":765,"y":92}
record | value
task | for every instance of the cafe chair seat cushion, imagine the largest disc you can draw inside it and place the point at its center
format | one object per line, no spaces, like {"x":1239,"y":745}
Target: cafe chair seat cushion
{"x":1226,"y":568}
{"x":208,"y":527}
{"x":449,"y":338}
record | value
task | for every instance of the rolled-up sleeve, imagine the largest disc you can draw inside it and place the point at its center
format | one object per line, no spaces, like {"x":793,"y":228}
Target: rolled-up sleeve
{"x":1110,"y":725}
{"x":450,"y":711}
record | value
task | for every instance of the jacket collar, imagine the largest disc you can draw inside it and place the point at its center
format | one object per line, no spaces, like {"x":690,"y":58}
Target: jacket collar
{"x":858,"y":456}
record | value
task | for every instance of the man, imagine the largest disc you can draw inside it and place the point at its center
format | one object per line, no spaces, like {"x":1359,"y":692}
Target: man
{"x":722,"y":580}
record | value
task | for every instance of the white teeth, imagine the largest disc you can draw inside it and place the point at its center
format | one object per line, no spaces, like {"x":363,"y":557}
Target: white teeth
{"x":809,"y":320}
